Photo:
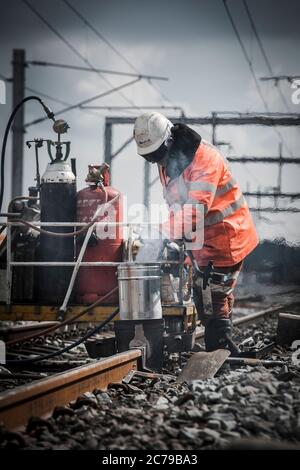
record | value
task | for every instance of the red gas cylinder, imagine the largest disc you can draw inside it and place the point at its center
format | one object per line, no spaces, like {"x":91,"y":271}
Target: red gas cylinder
{"x":106,"y":242}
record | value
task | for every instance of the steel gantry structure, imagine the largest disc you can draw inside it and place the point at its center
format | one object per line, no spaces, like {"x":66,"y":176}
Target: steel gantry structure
{"x":214,"y":120}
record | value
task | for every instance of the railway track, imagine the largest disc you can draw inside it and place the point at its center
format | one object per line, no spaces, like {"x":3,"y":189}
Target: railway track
{"x":20,"y":331}
{"x":40,"y":397}
{"x":252,"y":317}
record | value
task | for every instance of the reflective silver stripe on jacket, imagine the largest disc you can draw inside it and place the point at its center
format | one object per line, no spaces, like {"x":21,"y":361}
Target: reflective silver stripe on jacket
{"x":217,"y":217}
{"x":201,"y":186}
{"x":227,"y":187}
{"x":183,"y":188}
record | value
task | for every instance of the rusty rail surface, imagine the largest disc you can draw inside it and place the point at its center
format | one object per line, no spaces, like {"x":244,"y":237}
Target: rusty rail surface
{"x":252,"y":316}
{"x":257,"y":315}
{"x":41,"y":397}
{"x":21,"y":331}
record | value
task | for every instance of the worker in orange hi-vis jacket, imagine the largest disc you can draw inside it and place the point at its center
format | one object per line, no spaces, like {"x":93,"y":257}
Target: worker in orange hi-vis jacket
{"x":201,"y":192}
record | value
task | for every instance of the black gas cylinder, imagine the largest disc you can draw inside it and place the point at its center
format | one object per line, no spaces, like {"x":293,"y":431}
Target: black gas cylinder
{"x":58,"y":204}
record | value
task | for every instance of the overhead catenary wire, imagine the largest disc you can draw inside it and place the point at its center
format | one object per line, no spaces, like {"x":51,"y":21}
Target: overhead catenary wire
{"x":254,"y":113}
{"x":87,"y":100}
{"x":93,"y":69}
{"x":112,"y":47}
{"x":59,"y":101}
{"x":39,"y":93}
{"x":69,"y":45}
{"x":113,"y":108}
{"x":251,"y":68}
{"x":268,"y":64}
{"x":247,"y":58}
{"x":277,"y":78}
{"x":65,"y":103}
{"x":97,"y":32}
{"x":88,"y":109}
{"x":264,"y":54}
{"x":51,"y":98}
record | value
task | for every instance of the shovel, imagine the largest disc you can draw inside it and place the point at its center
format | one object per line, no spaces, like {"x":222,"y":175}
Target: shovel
{"x":203,"y":365}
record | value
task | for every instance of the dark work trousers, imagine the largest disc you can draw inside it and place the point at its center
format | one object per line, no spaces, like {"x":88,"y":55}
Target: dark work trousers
{"x":221,"y":294}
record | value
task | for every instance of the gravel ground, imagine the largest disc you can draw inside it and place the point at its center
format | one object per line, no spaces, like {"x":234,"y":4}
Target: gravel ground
{"x":233,"y":408}
{"x":237,"y":407}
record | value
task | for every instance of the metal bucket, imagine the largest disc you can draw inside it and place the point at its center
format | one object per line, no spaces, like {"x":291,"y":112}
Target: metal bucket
{"x":139,"y":291}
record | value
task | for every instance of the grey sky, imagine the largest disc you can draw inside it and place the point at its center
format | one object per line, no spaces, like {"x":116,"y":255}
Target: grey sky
{"x":191,"y":42}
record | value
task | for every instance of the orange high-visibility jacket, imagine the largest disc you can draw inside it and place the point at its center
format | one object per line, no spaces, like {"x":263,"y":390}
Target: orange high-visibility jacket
{"x":229,"y":231}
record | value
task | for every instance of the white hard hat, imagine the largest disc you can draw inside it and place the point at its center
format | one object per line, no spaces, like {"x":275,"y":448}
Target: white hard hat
{"x":150,"y":131}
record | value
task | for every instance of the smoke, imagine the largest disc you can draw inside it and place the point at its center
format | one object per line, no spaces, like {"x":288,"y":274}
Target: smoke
{"x":150,"y":251}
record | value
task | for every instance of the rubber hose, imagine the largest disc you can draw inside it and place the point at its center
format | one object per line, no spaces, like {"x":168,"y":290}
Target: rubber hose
{"x":67,"y":348}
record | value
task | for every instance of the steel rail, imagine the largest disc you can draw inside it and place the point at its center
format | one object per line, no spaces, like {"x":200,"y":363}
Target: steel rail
{"x":258,"y":315}
{"x":14,"y":332}
{"x":252,"y":316}
{"x":41,"y":397}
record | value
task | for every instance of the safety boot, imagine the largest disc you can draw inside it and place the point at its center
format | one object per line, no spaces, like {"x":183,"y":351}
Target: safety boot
{"x":218,"y":335}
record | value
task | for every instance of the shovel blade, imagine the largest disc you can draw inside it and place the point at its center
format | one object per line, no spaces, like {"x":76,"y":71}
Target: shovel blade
{"x":203,"y":365}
